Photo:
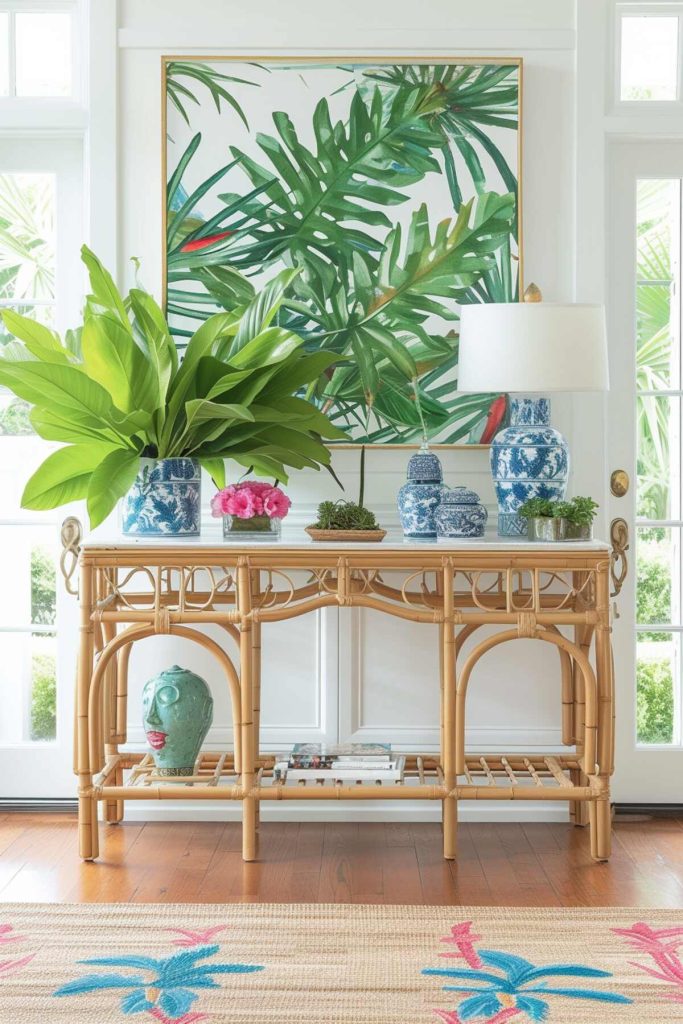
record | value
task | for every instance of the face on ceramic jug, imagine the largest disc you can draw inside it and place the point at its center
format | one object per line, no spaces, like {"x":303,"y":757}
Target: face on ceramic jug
{"x":175,"y":710}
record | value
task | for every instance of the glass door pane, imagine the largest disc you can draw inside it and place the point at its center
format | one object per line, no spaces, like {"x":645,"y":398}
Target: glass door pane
{"x":658,"y":461}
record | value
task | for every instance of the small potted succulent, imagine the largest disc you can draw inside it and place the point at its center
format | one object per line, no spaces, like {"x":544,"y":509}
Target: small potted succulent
{"x":250,"y":509}
{"x":580,"y":518}
{"x":347,"y":520}
{"x":549,"y":520}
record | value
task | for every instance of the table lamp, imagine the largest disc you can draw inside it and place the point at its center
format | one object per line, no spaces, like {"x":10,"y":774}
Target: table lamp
{"x":526,"y":347}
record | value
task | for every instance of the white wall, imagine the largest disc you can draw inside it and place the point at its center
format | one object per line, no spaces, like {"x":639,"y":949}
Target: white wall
{"x":355,"y":671}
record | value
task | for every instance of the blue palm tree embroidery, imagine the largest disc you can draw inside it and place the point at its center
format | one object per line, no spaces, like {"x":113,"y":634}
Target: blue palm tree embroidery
{"x":173,"y":985}
{"x":517,"y":983}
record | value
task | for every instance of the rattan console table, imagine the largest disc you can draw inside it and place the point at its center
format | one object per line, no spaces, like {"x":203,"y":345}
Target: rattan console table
{"x":556,"y":594}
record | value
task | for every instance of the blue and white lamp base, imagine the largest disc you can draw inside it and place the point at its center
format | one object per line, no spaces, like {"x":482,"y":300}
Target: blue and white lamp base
{"x":529,"y":459}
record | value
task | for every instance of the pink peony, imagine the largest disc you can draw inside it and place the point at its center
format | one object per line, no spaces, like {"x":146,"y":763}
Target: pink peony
{"x":276,"y":504}
{"x":249,"y":499}
{"x":241,"y":504}
{"x":257,"y":487}
{"x":220,"y":500}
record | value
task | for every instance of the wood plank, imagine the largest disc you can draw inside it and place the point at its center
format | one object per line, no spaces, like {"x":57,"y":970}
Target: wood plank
{"x":497,"y":864}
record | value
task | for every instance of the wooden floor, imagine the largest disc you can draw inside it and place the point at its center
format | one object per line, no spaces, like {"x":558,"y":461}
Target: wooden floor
{"x":506,"y":865}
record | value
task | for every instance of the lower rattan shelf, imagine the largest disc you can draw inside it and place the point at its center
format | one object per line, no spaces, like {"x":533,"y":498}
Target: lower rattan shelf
{"x":486,"y":777}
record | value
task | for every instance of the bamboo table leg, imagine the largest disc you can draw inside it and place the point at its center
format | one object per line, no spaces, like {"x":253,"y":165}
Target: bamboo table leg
{"x":256,"y":683}
{"x":247,"y":701}
{"x":88,"y":838}
{"x":449,"y":804}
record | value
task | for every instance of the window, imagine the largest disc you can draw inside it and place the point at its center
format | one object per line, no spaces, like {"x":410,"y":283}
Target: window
{"x":36,"y":51}
{"x":659,"y":522}
{"x":649,"y":48}
{"x":28,"y":606}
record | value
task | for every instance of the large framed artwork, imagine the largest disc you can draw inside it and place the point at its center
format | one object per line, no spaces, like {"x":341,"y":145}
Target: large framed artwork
{"x":390,"y":187}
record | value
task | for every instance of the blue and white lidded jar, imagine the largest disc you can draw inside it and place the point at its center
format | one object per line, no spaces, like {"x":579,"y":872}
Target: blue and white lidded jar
{"x":419,"y":497}
{"x":460,"y":514}
{"x":529,"y":459}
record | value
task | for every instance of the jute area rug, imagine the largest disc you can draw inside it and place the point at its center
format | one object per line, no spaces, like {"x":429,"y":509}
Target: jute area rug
{"x":329,"y":964}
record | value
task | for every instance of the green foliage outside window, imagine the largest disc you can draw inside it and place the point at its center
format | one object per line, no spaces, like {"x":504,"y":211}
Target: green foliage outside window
{"x":43,"y":697}
{"x":655,"y":701}
{"x":43,"y":584}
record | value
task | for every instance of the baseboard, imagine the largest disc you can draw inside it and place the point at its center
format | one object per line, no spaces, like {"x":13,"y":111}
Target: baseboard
{"x":656,"y":810}
{"x":467,"y":811}
{"x":65,"y":806}
{"x":337,"y":811}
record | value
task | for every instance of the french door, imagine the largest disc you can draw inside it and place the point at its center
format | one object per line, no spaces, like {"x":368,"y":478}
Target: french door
{"x":645,"y":211}
{"x":41,"y":228}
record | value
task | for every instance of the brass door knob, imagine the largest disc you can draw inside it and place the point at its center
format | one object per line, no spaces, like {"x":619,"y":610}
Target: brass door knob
{"x":619,"y":483}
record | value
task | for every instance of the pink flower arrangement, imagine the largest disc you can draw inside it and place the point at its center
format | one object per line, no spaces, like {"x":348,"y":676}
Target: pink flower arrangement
{"x":250,"y":499}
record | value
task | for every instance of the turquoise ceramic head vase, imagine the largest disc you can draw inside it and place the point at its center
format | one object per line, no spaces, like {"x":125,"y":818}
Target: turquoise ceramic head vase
{"x":177,"y":708}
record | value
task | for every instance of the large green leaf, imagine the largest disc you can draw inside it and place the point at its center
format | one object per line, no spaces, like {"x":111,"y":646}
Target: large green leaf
{"x":66,"y":386}
{"x":111,"y":479}
{"x":105,"y":295}
{"x":160,"y":347}
{"x":113,"y":359}
{"x":64,"y":476}
{"x":40,"y":341}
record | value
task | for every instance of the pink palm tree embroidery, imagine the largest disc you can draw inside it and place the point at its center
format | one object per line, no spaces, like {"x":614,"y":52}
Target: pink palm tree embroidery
{"x":187,"y":1018}
{"x":5,"y":936}
{"x":451,"y":1017}
{"x":461,"y":936}
{"x":7,"y":966}
{"x":662,"y":944}
{"x":196,"y":938}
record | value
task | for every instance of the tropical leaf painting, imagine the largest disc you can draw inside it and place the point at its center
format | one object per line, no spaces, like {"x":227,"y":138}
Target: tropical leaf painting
{"x":392,"y":190}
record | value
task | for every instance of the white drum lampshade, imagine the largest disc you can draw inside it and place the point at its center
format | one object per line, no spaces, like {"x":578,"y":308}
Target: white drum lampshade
{"x":530,"y":347}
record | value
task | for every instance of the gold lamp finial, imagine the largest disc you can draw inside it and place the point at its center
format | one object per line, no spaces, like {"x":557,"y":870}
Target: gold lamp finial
{"x":533,"y":293}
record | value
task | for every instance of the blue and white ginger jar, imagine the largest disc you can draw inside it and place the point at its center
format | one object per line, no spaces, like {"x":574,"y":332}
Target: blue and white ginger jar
{"x":165,"y":499}
{"x":419,"y":497}
{"x":529,"y":459}
{"x":460,"y":514}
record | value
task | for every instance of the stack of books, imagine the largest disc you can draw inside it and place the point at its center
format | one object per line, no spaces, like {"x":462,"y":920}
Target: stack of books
{"x":345,"y":762}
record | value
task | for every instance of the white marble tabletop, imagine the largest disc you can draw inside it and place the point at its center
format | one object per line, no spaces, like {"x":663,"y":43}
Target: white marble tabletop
{"x":293,"y":537}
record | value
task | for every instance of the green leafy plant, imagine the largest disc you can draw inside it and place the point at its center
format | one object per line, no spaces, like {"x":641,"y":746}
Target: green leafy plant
{"x":43,"y":697}
{"x":579,"y":511}
{"x":582,"y":511}
{"x":344,"y":515}
{"x":535,"y":508}
{"x":654,"y":701}
{"x":127,"y":396}
{"x":43,"y":587}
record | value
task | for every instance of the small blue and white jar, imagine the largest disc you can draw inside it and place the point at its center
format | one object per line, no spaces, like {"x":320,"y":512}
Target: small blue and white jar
{"x":529,"y":459}
{"x":460,"y":514}
{"x":165,"y":499}
{"x":418,"y":499}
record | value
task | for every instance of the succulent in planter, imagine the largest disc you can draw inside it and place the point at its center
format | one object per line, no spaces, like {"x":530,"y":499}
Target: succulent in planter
{"x":348,"y":520}
{"x":344,"y":515}
{"x":559,"y":520}
{"x":136,"y":421}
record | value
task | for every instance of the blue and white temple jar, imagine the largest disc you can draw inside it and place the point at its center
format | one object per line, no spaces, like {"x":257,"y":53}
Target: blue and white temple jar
{"x":419,"y":497}
{"x":460,"y":514}
{"x":529,"y":459}
{"x":165,"y":499}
